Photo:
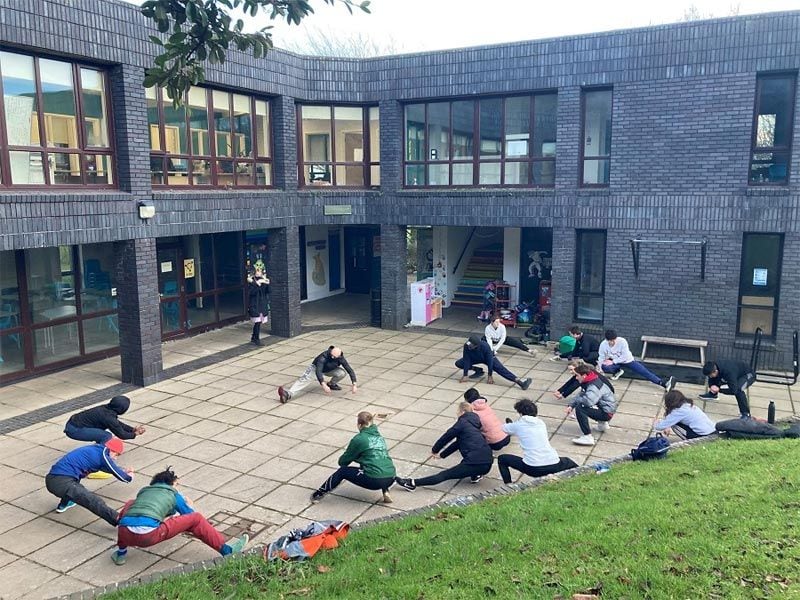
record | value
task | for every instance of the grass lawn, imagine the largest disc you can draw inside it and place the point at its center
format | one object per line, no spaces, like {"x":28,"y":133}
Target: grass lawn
{"x":714,"y":521}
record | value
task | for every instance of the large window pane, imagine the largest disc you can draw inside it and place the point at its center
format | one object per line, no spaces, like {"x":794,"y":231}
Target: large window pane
{"x":590,"y":259}
{"x":773,"y":129}
{"x":174,"y":126}
{"x":517,"y":173}
{"x":544,"y":125}
{"x":19,"y":99}
{"x":93,"y":95}
{"x":350,"y":175}
{"x":489,"y":173}
{"x":229,"y":265}
{"x":153,"y":118}
{"x":98,"y":169}
{"x":12,"y":353}
{"x":51,"y":291}
{"x":58,"y":100}
{"x":101,"y":333}
{"x":349,"y":132}
{"x":316,"y":123}
{"x":415,"y":175}
{"x":98,"y":292}
{"x":759,"y":282}
{"x":415,"y":133}
{"x":243,"y":127}
{"x":438,"y":132}
{"x":222,"y":123}
{"x":201,"y":311}
{"x":463,"y":128}
{"x":517,"y":128}
{"x":596,"y":136}
{"x":55,"y":343}
{"x":491,"y":142}
{"x":596,"y":172}
{"x":198,"y":122}
{"x":27,"y":168}
{"x":231,"y":304}
{"x":65,"y":169}
{"x":262,"y":129}
{"x":374,"y":136}
{"x":10,"y":318}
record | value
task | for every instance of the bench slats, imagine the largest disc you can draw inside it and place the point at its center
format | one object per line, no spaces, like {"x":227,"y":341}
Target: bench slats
{"x":666,"y":341}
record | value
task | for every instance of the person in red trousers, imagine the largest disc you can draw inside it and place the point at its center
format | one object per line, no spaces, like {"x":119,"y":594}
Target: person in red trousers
{"x":149,"y":519}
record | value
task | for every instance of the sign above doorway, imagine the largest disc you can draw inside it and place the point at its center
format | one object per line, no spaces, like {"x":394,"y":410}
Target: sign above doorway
{"x":337,"y":209}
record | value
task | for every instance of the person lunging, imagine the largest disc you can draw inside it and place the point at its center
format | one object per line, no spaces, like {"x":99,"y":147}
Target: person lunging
{"x":331,"y":363}
{"x":595,"y":401}
{"x":477,"y":352}
{"x":615,"y":356}
{"x":375,"y":470}
{"x":491,"y":427}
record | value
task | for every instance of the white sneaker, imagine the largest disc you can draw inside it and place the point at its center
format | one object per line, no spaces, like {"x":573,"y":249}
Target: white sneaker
{"x":584,"y":440}
{"x":617,"y":375}
{"x":602,"y":426}
{"x":555,"y":358}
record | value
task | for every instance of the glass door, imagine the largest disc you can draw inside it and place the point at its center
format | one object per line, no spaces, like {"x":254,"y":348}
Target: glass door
{"x":171,"y":291}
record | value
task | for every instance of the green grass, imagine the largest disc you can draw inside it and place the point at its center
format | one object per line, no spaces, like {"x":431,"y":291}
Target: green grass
{"x":716,"y":521}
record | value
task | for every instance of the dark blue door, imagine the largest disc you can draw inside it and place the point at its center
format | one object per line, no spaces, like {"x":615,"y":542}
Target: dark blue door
{"x":334,"y":260}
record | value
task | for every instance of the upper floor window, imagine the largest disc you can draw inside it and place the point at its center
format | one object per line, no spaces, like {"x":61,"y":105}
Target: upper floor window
{"x":488,"y":142}
{"x":214,"y":139}
{"x":772,"y":129}
{"x":341,"y":146}
{"x":57,"y":123}
{"x":596,"y":138}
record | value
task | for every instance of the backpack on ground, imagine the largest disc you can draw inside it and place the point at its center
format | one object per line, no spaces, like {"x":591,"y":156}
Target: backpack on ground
{"x":652,"y":447}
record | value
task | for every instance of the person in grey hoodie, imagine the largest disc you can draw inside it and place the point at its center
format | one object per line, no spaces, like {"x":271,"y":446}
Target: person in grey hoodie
{"x":466,"y":437}
{"x":596,"y":401}
{"x":101,"y":423}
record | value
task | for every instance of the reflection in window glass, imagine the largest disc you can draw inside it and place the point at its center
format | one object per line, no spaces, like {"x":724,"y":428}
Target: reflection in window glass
{"x":51,"y":287}
{"x":198,"y":122}
{"x":58,"y":100}
{"x":374,"y":136}
{"x":262,"y":128}
{"x":439,"y":131}
{"x":349,"y":132}
{"x":491,"y":144}
{"x":153,"y":118}
{"x":65,"y":169}
{"x":773,"y":125}
{"x":98,"y":283}
{"x":26,"y":167}
{"x":222,"y":123}
{"x":517,"y":127}
{"x":544,"y":125}
{"x":174,"y":126}
{"x":759,"y":283}
{"x":243,"y":140}
{"x":93,"y":92}
{"x":590,"y":259}
{"x":596,"y":136}
{"x":19,"y":100}
{"x":415,"y":134}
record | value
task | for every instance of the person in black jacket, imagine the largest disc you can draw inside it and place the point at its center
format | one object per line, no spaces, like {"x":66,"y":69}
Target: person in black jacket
{"x":332,"y":363}
{"x":466,"y":437}
{"x":478,"y":352}
{"x":258,"y":303}
{"x":586,"y":348}
{"x":730,"y":377}
{"x":101,"y":423}
{"x":572,"y":383}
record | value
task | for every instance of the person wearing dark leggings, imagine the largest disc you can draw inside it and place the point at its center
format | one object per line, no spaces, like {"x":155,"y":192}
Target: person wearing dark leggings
{"x":538,"y":457}
{"x":375,"y":471}
{"x":571,"y":385}
{"x":466,"y":437}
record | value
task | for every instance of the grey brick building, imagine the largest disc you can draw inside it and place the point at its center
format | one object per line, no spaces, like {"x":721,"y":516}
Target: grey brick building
{"x":677,"y":136}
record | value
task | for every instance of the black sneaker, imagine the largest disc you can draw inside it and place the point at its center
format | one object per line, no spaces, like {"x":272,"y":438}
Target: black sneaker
{"x":335,"y":387}
{"x":525,"y":383}
{"x":475,"y":478}
{"x":406,"y":483}
{"x":669,"y":384}
{"x":509,"y":420}
{"x":707,"y":396}
{"x":317,"y":496}
{"x":477,"y":374}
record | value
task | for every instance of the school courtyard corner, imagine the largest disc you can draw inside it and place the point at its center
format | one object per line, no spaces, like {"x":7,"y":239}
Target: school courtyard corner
{"x":251,"y":463}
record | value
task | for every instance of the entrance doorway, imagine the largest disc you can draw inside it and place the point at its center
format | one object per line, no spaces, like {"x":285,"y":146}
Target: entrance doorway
{"x":360,"y":258}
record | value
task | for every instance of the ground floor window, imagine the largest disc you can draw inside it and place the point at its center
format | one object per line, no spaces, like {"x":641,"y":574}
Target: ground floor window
{"x":759,"y":283}
{"x":590,"y":275}
{"x":57,"y":305}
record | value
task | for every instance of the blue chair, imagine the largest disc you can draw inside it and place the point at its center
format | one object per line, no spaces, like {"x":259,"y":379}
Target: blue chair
{"x":9,"y":320}
{"x":171,"y":309}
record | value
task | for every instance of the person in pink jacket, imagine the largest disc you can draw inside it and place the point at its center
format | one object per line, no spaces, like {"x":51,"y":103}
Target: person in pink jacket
{"x":491,"y":427}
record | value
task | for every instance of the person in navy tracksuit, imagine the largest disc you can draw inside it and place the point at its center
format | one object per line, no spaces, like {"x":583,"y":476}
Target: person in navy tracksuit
{"x":64,"y":478}
{"x":478,"y":352}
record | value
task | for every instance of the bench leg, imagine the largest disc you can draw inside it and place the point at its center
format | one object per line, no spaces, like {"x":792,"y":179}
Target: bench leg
{"x":702,"y":355}
{"x":644,"y":350}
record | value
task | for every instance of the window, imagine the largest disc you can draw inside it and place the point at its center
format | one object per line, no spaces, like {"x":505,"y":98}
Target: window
{"x":56,"y":118}
{"x":341,"y":146}
{"x":596,"y":146}
{"x":488,"y":142}
{"x":759,"y":283}
{"x":772,"y":129}
{"x":214,"y":139}
{"x":590,"y":275}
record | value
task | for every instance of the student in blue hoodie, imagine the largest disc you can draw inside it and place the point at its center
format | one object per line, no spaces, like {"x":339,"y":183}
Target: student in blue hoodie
{"x":64,"y":478}
{"x":466,"y":437}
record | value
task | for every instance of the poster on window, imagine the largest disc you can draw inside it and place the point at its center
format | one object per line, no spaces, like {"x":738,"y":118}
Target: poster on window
{"x":188,"y":268}
{"x":760,"y":277}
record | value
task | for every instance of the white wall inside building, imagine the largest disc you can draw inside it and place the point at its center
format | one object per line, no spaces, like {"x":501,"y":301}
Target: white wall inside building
{"x":318,"y":271}
{"x":511,"y":257}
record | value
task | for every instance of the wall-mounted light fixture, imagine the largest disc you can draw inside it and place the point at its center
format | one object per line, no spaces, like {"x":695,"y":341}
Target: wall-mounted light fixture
{"x":147,"y":210}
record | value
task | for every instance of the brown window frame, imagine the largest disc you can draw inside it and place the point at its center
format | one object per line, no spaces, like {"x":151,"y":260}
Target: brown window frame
{"x":366,"y":164}
{"x":211,"y":157}
{"x":476,"y":160}
{"x":82,"y":151}
{"x":583,"y":157}
{"x":787,"y":149}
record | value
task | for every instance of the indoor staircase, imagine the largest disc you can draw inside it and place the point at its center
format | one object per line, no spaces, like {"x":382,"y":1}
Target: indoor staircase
{"x":485,"y":264}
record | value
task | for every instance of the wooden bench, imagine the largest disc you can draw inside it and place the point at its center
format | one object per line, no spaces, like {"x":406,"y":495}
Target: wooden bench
{"x":682,"y":343}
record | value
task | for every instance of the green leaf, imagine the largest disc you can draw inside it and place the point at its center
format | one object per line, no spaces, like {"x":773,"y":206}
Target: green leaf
{"x":156,"y":40}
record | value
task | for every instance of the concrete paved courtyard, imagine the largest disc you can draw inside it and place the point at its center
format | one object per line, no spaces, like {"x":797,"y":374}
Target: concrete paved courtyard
{"x":242,"y":455}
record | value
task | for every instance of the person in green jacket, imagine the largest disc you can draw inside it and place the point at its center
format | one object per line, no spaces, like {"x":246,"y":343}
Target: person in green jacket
{"x":375,"y":471}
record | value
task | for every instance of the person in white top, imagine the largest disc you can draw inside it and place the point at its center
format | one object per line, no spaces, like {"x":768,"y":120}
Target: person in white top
{"x":684,"y":418}
{"x":538,"y":456}
{"x":614,"y":354}
{"x":497,"y":337}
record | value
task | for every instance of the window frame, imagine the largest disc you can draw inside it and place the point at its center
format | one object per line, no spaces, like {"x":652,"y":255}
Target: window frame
{"x":365,"y":164}
{"x":530,"y":160}
{"x":760,"y":77}
{"x":82,"y":151}
{"x":211,"y":156}
{"x":779,"y":271}
{"x":576,"y":293}
{"x":583,"y":157}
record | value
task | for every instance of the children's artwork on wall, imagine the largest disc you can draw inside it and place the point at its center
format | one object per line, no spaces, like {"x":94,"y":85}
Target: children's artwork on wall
{"x":318,"y":274}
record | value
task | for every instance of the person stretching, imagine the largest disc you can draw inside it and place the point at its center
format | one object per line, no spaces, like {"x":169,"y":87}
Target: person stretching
{"x":683,"y":417}
{"x":596,"y":401}
{"x":476,"y":352}
{"x":538,"y":456}
{"x":491,"y":427}
{"x":64,"y":478}
{"x":466,"y":437}
{"x":730,"y":377}
{"x":497,"y":336}
{"x":101,"y":423}
{"x":149,"y":519}
{"x":332,"y":363}
{"x":375,"y":469}
{"x":572,"y":384}
{"x":614,"y":354}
